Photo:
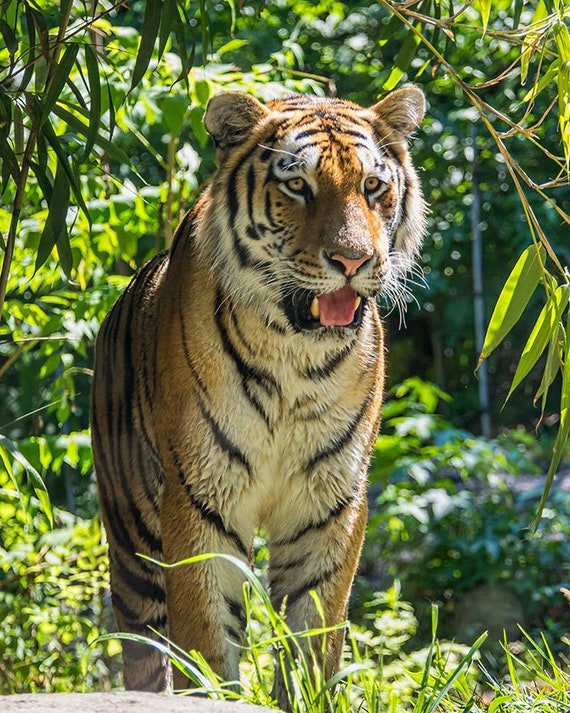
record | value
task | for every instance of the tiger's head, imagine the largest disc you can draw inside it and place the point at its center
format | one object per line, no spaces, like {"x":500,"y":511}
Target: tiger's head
{"x":316,"y":207}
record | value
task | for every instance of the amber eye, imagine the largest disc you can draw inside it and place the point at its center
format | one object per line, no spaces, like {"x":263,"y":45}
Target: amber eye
{"x":297,"y":185}
{"x":372,"y":184}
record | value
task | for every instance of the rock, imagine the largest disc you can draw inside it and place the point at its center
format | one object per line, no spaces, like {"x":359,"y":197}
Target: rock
{"x":119,"y":702}
{"x":490,"y":608}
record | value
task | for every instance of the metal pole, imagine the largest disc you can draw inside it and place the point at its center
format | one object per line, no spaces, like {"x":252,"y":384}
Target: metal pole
{"x":478,"y":305}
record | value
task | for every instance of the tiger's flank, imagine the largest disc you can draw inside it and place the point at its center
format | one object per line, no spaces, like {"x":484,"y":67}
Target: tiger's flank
{"x":238,"y":380}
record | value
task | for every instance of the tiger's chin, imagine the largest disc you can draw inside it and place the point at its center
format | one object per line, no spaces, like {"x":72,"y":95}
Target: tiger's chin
{"x":307,"y":311}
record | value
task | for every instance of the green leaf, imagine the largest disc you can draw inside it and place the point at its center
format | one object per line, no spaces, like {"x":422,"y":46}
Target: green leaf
{"x":485,"y":7}
{"x":95,"y":100}
{"x":56,"y":223}
{"x":169,"y":12}
{"x":547,"y":325}
{"x":114,"y":151}
{"x":405,"y":56}
{"x":10,"y":39}
{"x":564,"y":427}
{"x":7,"y":446}
{"x":54,"y":142}
{"x":60,"y":77}
{"x":10,"y":163}
{"x":149,"y":33}
{"x":514,"y":297}
{"x":553,"y":363}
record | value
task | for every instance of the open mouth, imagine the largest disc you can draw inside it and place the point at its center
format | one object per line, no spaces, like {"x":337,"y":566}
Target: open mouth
{"x":343,"y":308}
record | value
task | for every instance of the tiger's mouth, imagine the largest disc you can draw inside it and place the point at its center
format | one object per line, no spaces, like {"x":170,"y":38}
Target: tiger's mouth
{"x":343,"y":308}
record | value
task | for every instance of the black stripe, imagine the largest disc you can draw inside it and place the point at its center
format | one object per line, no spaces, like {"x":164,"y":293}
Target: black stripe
{"x":210,"y":515}
{"x":140,"y":585}
{"x":237,"y":611}
{"x":339,"y":442}
{"x":121,"y":534}
{"x":338,"y":509}
{"x":250,"y":193}
{"x":186,"y":350}
{"x":248,"y":373}
{"x":294,"y":596}
{"x":275,"y":570}
{"x":223,"y":441}
{"x":326,"y":369}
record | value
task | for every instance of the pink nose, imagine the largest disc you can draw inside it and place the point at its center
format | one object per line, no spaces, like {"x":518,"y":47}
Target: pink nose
{"x":351,"y":265}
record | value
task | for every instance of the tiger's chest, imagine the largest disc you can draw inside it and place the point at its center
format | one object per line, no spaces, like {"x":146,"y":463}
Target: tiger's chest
{"x":270,"y":426}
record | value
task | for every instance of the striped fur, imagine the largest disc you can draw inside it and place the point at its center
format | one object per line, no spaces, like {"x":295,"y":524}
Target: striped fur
{"x":238,"y":380}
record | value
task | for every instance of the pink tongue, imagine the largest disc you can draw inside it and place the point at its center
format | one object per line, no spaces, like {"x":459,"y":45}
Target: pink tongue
{"x":338,"y":308}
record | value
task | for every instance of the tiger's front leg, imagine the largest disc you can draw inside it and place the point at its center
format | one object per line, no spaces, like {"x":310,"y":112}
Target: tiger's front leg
{"x":323,"y":558}
{"x":204,"y":599}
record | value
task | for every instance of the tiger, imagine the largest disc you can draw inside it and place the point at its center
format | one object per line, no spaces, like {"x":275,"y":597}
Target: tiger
{"x":238,"y":380}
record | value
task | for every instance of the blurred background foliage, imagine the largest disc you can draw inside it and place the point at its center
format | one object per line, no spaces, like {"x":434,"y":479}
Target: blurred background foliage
{"x":102,"y":150}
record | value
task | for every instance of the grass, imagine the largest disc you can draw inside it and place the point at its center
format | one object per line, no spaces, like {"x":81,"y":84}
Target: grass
{"x":380,"y":674}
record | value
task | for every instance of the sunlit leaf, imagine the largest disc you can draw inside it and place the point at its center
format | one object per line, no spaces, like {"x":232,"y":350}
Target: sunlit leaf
{"x":405,"y":56}
{"x":9,"y":448}
{"x":564,"y":425}
{"x":551,"y":367}
{"x":546,"y":325}
{"x":485,"y":8}
{"x":514,"y":297}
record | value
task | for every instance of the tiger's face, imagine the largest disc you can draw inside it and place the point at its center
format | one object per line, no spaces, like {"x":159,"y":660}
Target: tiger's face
{"x":333,"y":213}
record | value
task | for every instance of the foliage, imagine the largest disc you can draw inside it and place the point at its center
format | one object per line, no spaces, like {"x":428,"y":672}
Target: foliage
{"x":451,"y":520}
{"x":376,"y":674}
{"x":102,"y":148}
{"x":53,"y":601}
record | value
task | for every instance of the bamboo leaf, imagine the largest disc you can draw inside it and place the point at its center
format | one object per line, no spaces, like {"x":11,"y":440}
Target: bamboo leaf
{"x":485,"y":7}
{"x":114,"y":151}
{"x":405,"y":56}
{"x":546,"y":326}
{"x":10,"y":39}
{"x":564,"y":427}
{"x":56,"y":223}
{"x":548,"y":77}
{"x":169,"y":12}
{"x":553,"y":363}
{"x":60,"y":77}
{"x":54,"y":142}
{"x":8,"y":447}
{"x":95,"y":100}
{"x":149,"y":32}
{"x":10,"y":165}
{"x":514,"y":297}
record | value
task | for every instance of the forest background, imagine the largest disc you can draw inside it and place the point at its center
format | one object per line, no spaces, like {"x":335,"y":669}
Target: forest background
{"x":103,"y":149}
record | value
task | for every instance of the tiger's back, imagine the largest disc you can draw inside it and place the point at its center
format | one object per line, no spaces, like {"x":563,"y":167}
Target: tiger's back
{"x":238,"y":381}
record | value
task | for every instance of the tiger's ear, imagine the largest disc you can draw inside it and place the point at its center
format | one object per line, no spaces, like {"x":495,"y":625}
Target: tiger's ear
{"x":231,"y":116}
{"x":402,"y":110}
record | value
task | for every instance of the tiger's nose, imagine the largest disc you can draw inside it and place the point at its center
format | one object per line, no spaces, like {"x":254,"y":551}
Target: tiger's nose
{"x":349,"y":263}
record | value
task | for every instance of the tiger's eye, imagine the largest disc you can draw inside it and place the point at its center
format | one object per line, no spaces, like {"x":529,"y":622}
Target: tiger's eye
{"x":371,"y":184}
{"x":296,"y":184}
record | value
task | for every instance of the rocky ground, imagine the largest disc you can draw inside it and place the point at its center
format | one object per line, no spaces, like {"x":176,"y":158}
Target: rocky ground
{"x":119,"y":702}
